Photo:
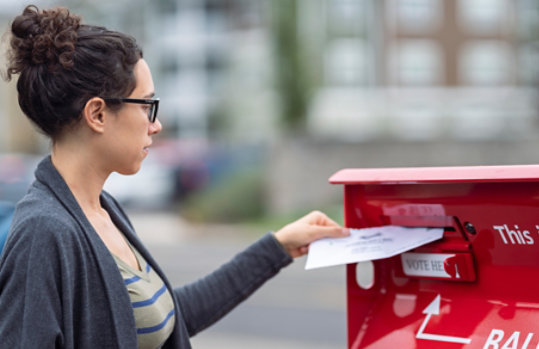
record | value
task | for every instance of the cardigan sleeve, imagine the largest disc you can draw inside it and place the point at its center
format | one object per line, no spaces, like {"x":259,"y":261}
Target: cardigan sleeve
{"x":205,"y":301}
{"x":30,"y":282}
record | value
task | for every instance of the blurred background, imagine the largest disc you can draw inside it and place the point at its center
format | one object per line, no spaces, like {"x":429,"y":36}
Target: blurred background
{"x":262,"y":101}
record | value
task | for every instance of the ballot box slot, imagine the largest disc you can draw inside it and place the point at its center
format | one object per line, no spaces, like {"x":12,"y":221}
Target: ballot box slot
{"x":454,"y":236}
{"x":447,"y":259}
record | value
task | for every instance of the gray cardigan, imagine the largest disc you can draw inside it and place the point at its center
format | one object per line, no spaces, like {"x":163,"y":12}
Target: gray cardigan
{"x":61,"y":288}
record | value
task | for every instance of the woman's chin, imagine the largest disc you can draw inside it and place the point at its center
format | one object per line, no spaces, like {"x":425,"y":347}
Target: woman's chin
{"x":129,"y":171}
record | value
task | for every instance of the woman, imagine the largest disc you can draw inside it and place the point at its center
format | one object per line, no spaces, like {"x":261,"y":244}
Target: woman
{"x":73,"y":273}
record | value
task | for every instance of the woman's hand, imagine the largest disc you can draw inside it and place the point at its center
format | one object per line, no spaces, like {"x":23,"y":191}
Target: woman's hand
{"x":296,"y":236}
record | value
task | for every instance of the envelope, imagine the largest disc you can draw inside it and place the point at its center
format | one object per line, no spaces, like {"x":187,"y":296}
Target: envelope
{"x":368,"y":244}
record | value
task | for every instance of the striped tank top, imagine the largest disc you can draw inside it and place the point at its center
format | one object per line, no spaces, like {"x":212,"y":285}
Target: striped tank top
{"x":152,"y":303}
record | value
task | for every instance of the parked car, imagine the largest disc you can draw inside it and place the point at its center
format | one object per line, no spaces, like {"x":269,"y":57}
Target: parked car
{"x":151,"y":187}
{"x":16,"y":175}
{"x":6,"y":213}
{"x":197,"y":164}
{"x":175,"y":169}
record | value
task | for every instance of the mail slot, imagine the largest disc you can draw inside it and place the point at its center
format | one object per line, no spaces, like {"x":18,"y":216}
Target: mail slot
{"x":474,"y":288}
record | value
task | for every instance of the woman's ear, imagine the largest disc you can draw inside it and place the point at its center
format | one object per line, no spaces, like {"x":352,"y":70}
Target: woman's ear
{"x":94,"y":114}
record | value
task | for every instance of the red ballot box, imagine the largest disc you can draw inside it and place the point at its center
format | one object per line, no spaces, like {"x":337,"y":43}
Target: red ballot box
{"x":477,"y":287}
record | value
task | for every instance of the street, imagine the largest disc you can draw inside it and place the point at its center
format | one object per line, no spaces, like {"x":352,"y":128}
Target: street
{"x":296,"y":309}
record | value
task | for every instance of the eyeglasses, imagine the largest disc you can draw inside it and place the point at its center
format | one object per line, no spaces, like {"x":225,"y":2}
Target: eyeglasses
{"x":153,"y":105}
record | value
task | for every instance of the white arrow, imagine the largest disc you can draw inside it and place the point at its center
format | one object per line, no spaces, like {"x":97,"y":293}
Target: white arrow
{"x":434,"y":308}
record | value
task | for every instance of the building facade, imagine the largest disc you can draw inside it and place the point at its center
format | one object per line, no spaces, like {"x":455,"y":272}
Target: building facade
{"x":427,"y":69}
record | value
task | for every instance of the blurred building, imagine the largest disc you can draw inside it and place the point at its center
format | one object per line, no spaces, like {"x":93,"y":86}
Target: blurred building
{"x":214,"y":65}
{"x":18,"y":135}
{"x":379,"y":69}
{"x":425,"y":69}
{"x":398,"y":69}
{"x":404,"y":69}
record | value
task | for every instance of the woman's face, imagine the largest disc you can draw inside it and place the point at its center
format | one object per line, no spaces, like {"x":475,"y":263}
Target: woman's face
{"x":131,"y":130}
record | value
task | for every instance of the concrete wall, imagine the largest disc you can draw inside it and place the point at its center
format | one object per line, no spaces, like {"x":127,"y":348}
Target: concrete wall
{"x":298,"y":170}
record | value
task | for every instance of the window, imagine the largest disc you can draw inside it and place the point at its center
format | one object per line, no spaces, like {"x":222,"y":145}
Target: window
{"x":346,"y":62}
{"x":418,"y":15}
{"x":485,"y":62}
{"x":417,"y":62}
{"x":167,"y":6}
{"x":528,"y":68}
{"x":346,"y":17}
{"x":483,"y":16}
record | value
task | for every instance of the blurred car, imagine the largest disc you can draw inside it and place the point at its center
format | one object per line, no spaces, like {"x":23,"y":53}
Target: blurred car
{"x":151,"y":187}
{"x":185,"y":160}
{"x":16,"y":175}
{"x":175,"y":169}
{"x":197,"y":164}
{"x":6,"y":213}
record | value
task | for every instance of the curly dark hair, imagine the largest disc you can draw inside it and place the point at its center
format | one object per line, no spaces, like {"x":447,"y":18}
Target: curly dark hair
{"x":62,"y":64}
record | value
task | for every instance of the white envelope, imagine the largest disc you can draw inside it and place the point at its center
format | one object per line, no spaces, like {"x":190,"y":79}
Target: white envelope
{"x":369,"y":244}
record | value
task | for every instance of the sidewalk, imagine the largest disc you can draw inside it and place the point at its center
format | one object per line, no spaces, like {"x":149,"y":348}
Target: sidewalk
{"x":215,"y":341}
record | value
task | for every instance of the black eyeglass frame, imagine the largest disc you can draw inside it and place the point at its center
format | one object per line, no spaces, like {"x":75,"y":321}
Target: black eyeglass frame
{"x":154,"y":102}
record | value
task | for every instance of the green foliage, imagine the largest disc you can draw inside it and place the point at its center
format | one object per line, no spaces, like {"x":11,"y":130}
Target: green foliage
{"x":235,"y":199}
{"x":292,"y":74}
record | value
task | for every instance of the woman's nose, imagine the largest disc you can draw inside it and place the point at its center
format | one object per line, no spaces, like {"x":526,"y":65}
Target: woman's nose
{"x":155,"y":127}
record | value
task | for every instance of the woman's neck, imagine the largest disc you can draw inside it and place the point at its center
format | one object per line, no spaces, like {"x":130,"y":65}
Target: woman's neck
{"x":82,"y":173}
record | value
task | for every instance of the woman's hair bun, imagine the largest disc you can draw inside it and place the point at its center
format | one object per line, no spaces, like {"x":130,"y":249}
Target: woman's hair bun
{"x":45,"y":37}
